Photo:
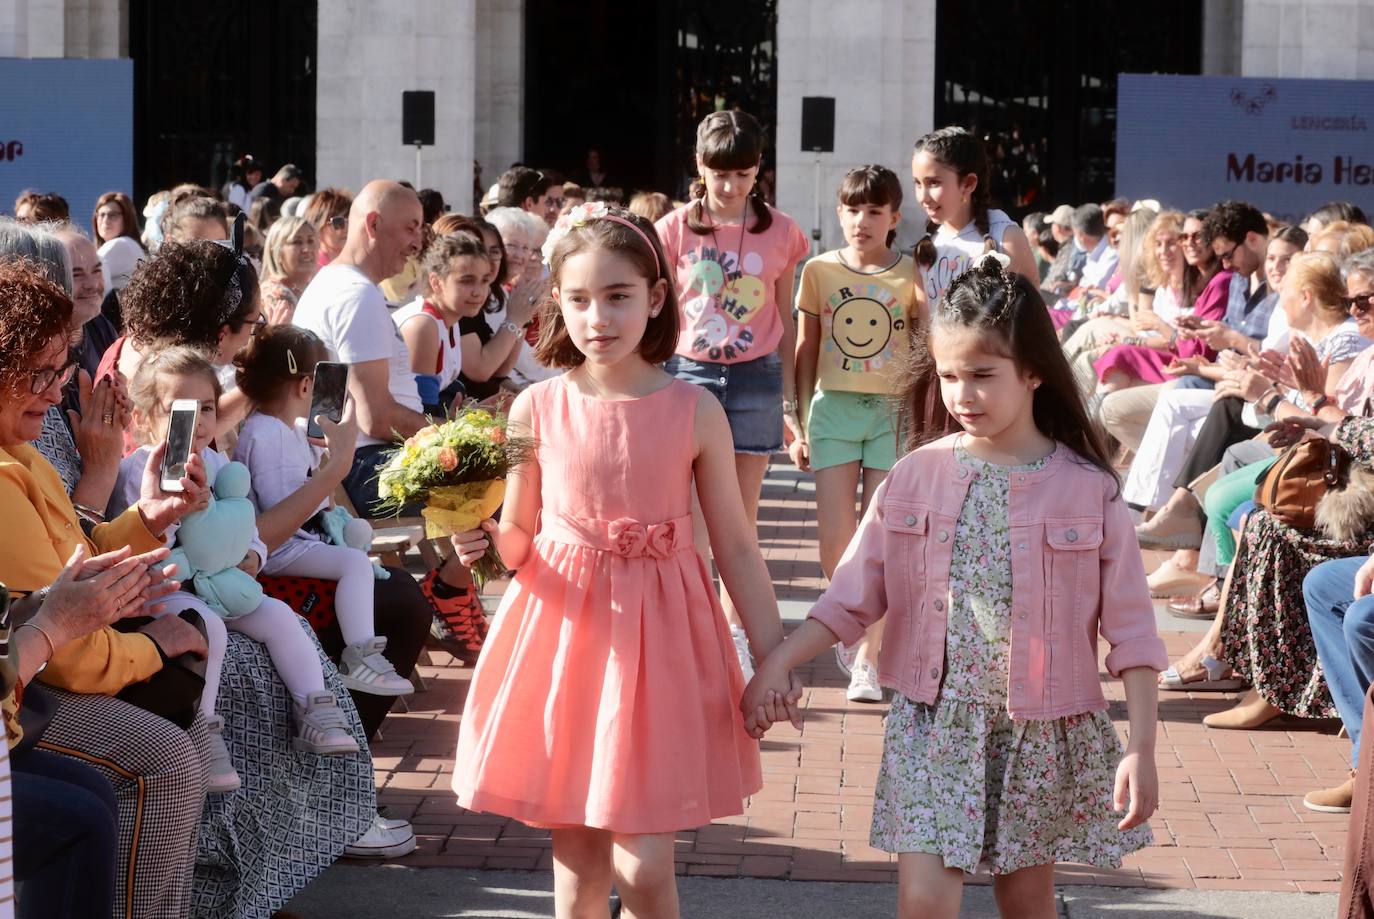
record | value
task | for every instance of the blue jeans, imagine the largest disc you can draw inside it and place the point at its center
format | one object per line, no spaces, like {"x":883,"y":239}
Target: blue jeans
{"x":66,"y":837}
{"x":1343,"y":630}
{"x":1192,"y":382}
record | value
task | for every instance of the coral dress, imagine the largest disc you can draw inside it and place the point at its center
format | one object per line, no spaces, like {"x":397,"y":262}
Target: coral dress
{"x":607,"y":692}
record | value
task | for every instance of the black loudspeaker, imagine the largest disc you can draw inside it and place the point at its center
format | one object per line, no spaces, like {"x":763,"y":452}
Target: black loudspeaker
{"x":417,"y":118}
{"x":818,"y":124}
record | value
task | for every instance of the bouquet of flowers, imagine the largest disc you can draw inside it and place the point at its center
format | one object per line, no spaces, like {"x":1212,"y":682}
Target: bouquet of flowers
{"x":458,"y":468}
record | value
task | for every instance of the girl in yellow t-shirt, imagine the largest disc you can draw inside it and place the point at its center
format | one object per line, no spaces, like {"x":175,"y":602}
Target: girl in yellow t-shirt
{"x":857,"y":305}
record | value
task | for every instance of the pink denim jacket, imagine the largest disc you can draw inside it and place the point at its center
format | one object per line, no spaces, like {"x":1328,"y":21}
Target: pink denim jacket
{"x":1076,"y":571}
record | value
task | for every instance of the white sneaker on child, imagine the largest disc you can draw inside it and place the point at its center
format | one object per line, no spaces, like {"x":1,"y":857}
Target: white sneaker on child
{"x":863,"y":684}
{"x":364,"y":669}
{"x":322,"y":727}
{"x":384,"y":839}
{"x":742,"y":651}
{"x":224,"y":779}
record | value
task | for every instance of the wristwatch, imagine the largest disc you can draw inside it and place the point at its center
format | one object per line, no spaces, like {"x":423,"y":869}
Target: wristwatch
{"x":789,"y":407}
{"x":511,"y":327}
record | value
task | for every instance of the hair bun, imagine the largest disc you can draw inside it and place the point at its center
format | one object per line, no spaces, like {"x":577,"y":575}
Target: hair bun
{"x":994,"y":262}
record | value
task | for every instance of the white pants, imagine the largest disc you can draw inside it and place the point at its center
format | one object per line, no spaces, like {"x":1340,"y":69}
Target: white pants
{"x":273,"y":624}
{"x":1175,"y":421}
{"x":353,"y":570}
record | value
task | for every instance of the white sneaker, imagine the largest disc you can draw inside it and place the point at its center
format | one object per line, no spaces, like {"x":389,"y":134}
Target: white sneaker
{"x":863,"y":684}
{"x":844,"y":656}
{"x":321,"y":726}
{"x":363,"y":669}
{"x":742,"y":651}
{"x":385,"y":839}
{"x":224,"y":779}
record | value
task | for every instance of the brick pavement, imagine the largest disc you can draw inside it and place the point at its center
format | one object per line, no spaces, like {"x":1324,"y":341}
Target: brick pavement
{"x":1231,"y":815}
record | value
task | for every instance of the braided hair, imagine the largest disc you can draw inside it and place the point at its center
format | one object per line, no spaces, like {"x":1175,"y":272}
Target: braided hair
{"x":956,"y":148}
{"x":728,"y":140}
{"x":1005,"y":309}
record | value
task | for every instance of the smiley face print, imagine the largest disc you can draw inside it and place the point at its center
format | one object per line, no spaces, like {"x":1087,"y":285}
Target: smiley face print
{"x":861,"y":328}
{"x":860,"y":321}
{"x":743,"y":297}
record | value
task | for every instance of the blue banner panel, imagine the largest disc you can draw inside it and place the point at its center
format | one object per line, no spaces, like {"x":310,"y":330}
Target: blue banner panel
{"x":1286,"y":146}
{"x":66,"y":126}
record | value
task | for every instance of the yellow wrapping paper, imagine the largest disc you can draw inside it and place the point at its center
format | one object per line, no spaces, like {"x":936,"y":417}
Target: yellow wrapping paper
{"x":456,"y":508}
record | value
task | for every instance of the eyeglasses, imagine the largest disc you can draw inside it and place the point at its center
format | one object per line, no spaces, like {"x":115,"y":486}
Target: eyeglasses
{"x":1358,"y":305}
{"x":41,"y":380}
{"x":1186,"y":238}
{"x":259,"y":325}
{"x":1225,"y":259}
{"x":338,"y":223}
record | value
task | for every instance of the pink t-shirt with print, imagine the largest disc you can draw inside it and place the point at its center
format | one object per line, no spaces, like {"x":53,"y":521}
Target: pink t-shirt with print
{"x":726,"y":286}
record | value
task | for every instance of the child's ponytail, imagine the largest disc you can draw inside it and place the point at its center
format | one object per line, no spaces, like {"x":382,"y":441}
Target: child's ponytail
{"x":925,"y":253}
{"x":276,"y":357}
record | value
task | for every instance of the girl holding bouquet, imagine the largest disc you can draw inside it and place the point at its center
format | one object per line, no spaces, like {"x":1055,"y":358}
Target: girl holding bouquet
{"x":604,"y":705}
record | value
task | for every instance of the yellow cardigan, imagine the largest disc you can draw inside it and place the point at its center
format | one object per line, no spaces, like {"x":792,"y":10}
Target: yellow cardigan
{"x":39,"y":531}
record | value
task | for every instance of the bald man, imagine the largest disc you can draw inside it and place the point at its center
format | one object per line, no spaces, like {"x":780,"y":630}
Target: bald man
{"x":345,"y":307}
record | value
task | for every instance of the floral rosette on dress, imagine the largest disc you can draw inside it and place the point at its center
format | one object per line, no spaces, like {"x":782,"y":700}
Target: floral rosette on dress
{"x":458,"y":468}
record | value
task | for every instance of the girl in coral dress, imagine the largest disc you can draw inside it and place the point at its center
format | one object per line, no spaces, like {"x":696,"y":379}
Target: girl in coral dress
{"x":605,"y":703}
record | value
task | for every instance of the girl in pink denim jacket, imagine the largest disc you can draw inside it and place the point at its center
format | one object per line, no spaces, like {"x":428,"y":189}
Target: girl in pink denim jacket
{"x":999,"y":555}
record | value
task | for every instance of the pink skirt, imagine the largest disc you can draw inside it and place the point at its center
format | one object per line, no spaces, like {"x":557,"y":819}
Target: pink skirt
{"x":607,"y":695}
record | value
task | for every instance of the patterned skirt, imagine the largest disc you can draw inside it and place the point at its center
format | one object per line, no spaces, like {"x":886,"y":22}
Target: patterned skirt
{"x":964,"y":781}
{"x":1265,"y":634}
{"x":295,"y":812}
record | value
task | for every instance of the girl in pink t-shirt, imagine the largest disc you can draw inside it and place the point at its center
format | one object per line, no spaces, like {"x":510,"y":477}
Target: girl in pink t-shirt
{"x":734,"y":259}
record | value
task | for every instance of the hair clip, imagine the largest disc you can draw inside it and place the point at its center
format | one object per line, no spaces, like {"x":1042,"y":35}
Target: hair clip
{"x":291,"y":363}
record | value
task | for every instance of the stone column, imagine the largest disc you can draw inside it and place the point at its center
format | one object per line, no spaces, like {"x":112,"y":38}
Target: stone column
{"x":877,"y":58}
{"x":1308,"y":38}
{"x":369,"y":53}
{"x":500,"y":102}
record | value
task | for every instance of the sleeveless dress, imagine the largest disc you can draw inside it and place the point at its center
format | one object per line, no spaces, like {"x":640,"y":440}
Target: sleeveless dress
{"x":607,"y":693}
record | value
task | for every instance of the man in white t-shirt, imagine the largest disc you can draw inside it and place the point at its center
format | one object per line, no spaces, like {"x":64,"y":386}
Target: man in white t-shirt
{"x":344,"y":306}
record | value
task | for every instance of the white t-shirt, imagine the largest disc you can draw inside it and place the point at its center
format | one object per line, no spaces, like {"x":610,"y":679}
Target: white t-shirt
{"x":280,"y":460}
{"x":349,"y":314}
{"x":956,"y":252}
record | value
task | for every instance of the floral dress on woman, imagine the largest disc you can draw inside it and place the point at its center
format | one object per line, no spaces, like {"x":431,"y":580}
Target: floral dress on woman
{"x":960,"y":778}
{"x":1265,"y":635}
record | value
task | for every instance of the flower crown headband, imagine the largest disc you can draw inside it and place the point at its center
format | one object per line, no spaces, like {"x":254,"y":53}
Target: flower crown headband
{"x":584,"y":214}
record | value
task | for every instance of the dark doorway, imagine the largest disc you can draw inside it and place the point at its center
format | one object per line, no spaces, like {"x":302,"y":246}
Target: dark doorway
{"x":632,"y":79}
{"x":213,"y":81}
{"x":1038,"y":79}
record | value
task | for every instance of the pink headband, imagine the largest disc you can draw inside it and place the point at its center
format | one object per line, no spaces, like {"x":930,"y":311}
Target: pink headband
{"x":653,"y":250}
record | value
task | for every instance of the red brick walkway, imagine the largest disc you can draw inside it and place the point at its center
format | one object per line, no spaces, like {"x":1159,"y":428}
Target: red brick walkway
{"x":1231,"y":815}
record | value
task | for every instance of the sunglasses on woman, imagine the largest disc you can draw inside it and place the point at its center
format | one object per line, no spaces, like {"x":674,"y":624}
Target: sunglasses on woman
{"x":1358,"y":305}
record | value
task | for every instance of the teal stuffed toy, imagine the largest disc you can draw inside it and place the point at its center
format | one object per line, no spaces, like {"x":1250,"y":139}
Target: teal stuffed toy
{"x":211,"y":543}
{"x":343,"y":529}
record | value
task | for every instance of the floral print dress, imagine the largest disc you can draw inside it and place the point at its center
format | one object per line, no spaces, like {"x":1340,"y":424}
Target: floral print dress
{"x":961,"y":779}
{"x":1265,"y":634}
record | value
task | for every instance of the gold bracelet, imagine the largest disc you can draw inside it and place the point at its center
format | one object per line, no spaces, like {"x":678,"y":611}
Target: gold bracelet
{"x":52,"y":648}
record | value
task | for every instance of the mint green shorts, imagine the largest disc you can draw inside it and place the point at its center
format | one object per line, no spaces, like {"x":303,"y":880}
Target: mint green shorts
{"x":851,"y":427}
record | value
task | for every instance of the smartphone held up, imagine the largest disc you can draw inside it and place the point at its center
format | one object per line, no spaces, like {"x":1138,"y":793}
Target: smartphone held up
{"x":181,"y":434}
{"x":330,"y":392}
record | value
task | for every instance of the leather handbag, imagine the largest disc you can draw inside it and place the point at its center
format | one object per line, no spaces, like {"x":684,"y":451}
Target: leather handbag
{"x":1292,"y":488}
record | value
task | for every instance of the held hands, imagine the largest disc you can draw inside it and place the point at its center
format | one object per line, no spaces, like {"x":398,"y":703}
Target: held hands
{"x":800,"y":452}
{"x":1184,"y":366}
{"x":160,"y":509}
{"x":771,"y":696}
{"x":472,"y":545}
{"x":1136,"y":779}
